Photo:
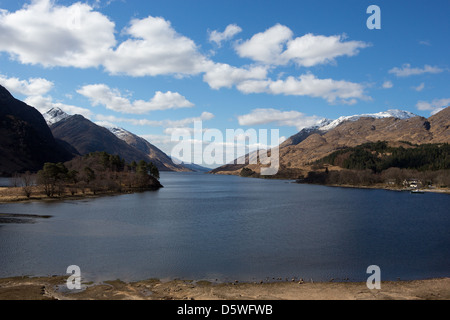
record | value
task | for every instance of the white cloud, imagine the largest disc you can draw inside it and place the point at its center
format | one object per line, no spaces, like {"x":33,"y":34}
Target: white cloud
{"x":182,"y":123}
{"x":45,"y":103}
{"x":420,"y":87}
{"x":282,"y":118}
{"x":406,"y":70}
{"x":78,"y":36}
{"x":34,"y":89}
{"x":52,"y":35}
{"x":266,"y":46}
{"x":101,"y":94}
{"x":223,"y":75}
{"x":155,"y":48}
{"x":230,"y":31}
{"x":32,"y":86}
{"x":276,"y":46}
{"x":435,"y":106}
{"x":308,"y":85}
{"x":310,"y":50}
{"x":105,"y":124}
{"x":388,"y":85}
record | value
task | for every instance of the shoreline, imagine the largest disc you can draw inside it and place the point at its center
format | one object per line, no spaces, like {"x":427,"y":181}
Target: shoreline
{"x":10,"y":195}
{"x":437,"y":190}
{"x":54,"y":288}
{"x":15,"y":194}
{"x":375,"y":187}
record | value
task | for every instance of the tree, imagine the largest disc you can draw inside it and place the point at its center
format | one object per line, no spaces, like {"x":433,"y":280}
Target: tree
{"x":89,"y":175}
{"x":28,"y":181}
{"x":52,"y":175}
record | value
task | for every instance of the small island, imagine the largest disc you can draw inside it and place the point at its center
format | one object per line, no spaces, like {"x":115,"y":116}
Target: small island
{"x":91,"y":175}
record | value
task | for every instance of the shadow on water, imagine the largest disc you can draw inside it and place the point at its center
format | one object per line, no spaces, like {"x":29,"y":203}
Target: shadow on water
{"x":14,"y":218}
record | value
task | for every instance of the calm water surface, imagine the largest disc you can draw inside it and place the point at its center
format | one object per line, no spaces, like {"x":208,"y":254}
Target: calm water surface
{"x":230,"y":228}
{"x":6,"y":182}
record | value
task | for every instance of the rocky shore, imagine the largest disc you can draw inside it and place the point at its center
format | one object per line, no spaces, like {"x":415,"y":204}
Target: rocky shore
{"x":54,"y":288}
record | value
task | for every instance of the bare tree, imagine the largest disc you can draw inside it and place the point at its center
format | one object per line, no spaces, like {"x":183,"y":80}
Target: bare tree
{"x":27,"y":181}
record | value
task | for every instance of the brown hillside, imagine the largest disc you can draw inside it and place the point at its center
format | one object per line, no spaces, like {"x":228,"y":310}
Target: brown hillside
{"x":298,"y":157}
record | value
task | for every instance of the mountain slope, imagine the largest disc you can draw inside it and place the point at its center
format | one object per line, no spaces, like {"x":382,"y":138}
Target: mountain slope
{"x":299,"y":151}
{"x":54,"y":115}
{"x":86,"y":137}
{"x":26,"y":142}
{"x":440,"y":124}
{"x":159,"y":158}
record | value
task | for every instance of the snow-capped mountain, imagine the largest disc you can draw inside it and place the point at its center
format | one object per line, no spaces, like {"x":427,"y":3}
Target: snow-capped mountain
{"x":160,"y":159}
{"x":119,"y":132}
{"x":55,"y":115}
{"x":326,"y":125}
{"x":135,"y":147}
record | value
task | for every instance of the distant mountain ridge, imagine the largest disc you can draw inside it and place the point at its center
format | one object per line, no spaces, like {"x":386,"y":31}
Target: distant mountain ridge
{"x":310,"y":144}
{"x":395,"y":113}
{"x":326,"y":125}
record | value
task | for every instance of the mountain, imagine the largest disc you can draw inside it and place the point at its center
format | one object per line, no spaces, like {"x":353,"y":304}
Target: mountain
{"x":395,"y":126}
{"x":326,"y":125}
{"x":54,"y":115}
{"x":26,"y":141}
{"x":158,"y":157}
{"x":397,"y":114}
{"x":440,"y":124}
{"x":86,"y":137}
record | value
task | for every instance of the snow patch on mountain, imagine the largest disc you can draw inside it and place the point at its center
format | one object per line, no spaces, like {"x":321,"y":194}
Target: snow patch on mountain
{"x":55,"y":115}
{"x":119,"y":132}
{"x":326,"y":125}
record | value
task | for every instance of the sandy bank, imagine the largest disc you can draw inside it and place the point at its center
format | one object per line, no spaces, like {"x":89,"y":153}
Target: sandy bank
{"x":54,"y":288}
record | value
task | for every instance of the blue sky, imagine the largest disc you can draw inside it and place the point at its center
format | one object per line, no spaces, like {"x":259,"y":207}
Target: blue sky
{"x":148,"y":66}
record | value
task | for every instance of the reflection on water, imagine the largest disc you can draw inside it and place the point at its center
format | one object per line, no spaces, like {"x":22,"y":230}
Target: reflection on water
{"x":229,"y":228}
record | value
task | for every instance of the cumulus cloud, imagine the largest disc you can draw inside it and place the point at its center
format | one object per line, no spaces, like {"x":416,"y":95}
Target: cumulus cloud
{"x":48,"y":34}
{"x":155,"y":48}
{"x":32,"y":86}
{"x":406,"y":70}
{"x":434,"y":106}
{"x":276,"y":46}
{"x":52,"y":35}
{"x":230,"y":31}
{"x":267,"y":46}
{"x":308,"y":85}
{"x":35,"y":90}
{"x":101,"y":94}
{"x":223,"y":75}
{"x":282,"y":118}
